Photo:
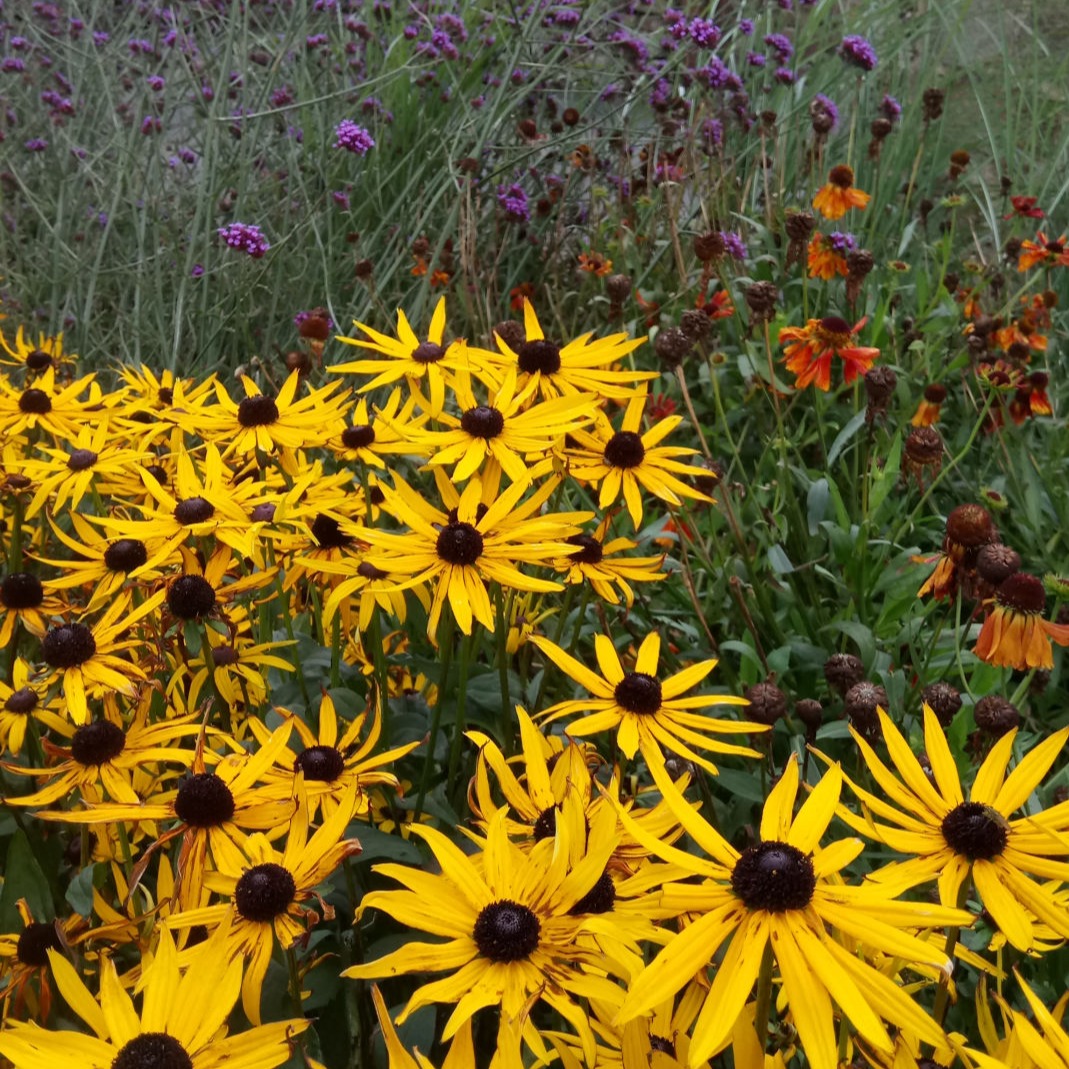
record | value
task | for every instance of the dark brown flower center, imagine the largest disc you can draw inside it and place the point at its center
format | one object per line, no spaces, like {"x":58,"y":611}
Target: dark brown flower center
{"x":358,"y":437}
{"x":97,"y":743}
{"x":459,"y":543}
{"x":428,"y":352}
{"x":599,"y":899}
{"x":368,"y":571}
{"x":834,"y":325}
{"x":38,"y":360}
{"x":35,"y":940}
{"x":190,"y":597}
{"x":264,"y":892}
{"x":545,"y":827}
{"x":625,"y":450}
{"x":324,"y":764}
{"x":975,"y":831}
{"x":204,"y":801}
{"x":257,"y":412}
{"x":152,"y":1050}
{"x":589,"y":549}
{"x":81,"y":460}
{"x":22,"y":702}
{"x":638,"y":693}
{"x":193,"y":510}
{"x":68,"y":645}
{"x":328,"y":533}
{"x":21,"y":590}
{"x":225,"y":656}
{"x":1022,"y":593}
{"x":125,"y":555}
{"x":774,"y":876}
{"x":482,"y":422}
{"x":841,"y":176}
{"x":506,"y":931}
{"x":34,"y":402}
{"x":540,"y":355}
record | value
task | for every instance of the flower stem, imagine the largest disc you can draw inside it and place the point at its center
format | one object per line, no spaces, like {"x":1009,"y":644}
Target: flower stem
{"x":763,"y":1006}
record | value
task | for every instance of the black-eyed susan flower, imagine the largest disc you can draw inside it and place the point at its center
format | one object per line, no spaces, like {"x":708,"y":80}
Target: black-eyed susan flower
{"x":784,"y":897}
{"x":950,"y":839}
{"x":1041,"y":1043}
{"x":182,"y":1023}
{"x":459,"y":552}
{"x":584,"y":365}
{"x":511,"y":936}
{"x":22,"y":701}
{"x":25,"y":981}
{"x":809,"y":351}
{"x":87,"y":661}
{"x":204,"y":590}
{"x":381,"y":432}
{"x":1014,"y":633}
{"x":647,"y":713}
{"x":838,"y":195}
{"x":58,"y":411}
{"x":627,"y":461}
{"x":34,"y":358}
{"x":507,"y":430}
{"x":605,"y":567}
{"x":25,"y":602}
{"x":269,"y":888}
{"x":427,"y":362}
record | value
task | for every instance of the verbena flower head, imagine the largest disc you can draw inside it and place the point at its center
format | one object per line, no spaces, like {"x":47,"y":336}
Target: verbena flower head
{"x":858,"y":52}
{"x":246,"y":238}
{"x":353,"y":138}
{"x":513,"y":202}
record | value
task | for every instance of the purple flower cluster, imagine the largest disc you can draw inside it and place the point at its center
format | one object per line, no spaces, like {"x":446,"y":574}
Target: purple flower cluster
{"x":733,"y":244}
{"x":890,"y":109}
{"x":353,"y":137}
{"x":780,"y":45}
{"x":246,"y":238}
{"x":826,"y":105}
{"x":858,"y":52}
{"x":513,"y":202}
{"x":840,"y":242}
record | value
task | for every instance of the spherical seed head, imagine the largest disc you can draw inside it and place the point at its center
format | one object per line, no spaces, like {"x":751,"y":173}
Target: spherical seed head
{"x":1022,"y":592}
{"x":315,"y":326}
{"x":761,"y":298}
{"x":944,"y":700}
{"x":327,"y":532}
{"x":932,"y":101}
{"x":859,"y":262}
{"x":860,"y":703}
{"x":22,"y":702}
{"x":995,"y":563}
{"x":924,"y":446}
{"x":617,"y":288}
{"x":639,"y":693}
{"x":935,"y":393}
{"x":695,"y":324}
{"x":960,"y":158}
{"x":810,"y":712}
{"x":506,"y":931}
{"x":68,"y":645}
{"x":264,"y":513}
{"x":359,"y":436}
{"x":264,"y":891}
{"x":880,"y":383}
{"x":428,"y":352}
{"x":511,"y":333}
{"x":152,"y":1050}
{"x":21,"y":590}
{"x":540,"y":355}
{"x":34,"y":943}
{"x":671,"y":346}
{"x":624,"y":450}
{"x":257,"y":411}
{"x":97,"y":743}
{"x":34,"y":402}
{"x":193,"y":510}
{"x":191,"y":597}
{"x":970,"y":526}
{"x":842,"y":176}
{"x":482,"y":421}
{"x":126,"y":555}
{"x":996,"y":715}
{"x":775,"y":877}
{"x":459,"y":543}
{"x":323,"y":764}
{"x":204,"y":801}
{"x":81,"y":460}
{"x":799,"y":225}
{"x":767,"y":703}
{"x":842,"y":671}
{"x":588,"y":549}
{"x":880,"y":128}
{"x":599,"y":899}
{"x":975,"y":831}
{"x":709,"y":246}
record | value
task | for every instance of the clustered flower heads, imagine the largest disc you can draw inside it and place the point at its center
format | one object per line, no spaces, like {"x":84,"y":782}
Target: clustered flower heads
{"x":246,"y":238}
{"x":353,"y":137}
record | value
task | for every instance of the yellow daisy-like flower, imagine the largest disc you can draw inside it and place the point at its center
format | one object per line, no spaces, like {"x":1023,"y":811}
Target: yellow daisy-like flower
{"x":950,"y":838}
{"x":182,"y":1023}
{"x":581,"y":366}
{"x":506,"y":430}
{"x":1039,"y":1044}
{"x":417,"y":361}
{"x":86,"y":660}
{"x":627,"y":461}
{"x":782,"y":898}
{"x":24,"y":601}
{"x":463,"y":550}
{"x":511,"y":935}
{"x":21,"y":701}
{"x":59,"y":412}
{"x":36,"y":359}
{"x":389,"y":432}
{"x":646,"y":712}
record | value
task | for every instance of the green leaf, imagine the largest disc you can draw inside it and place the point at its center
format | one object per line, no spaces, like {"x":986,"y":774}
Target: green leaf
{"x":817,"y":504}
{"x":79,"y":892}
{"x":862,"y":636}
{"x":778,"y":560}
{"x":842,"y":439}
{"x":378,"y":844}
{"x":885,"y":478}
{"x":23,"y":879}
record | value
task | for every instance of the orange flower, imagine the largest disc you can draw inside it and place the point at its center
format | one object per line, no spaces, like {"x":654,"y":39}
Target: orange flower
{"x":1015,"y":635}
{"x":1043,"y":251}
{"x":518,"y":294}
{"x":595,"y":263}
{"x":809,"y":355}
{"x":1038,"y":401}
{"x":837,"y":197}
{"x":718,"y":306}
{"x":931,"y":404}
{"x":824,"y":260}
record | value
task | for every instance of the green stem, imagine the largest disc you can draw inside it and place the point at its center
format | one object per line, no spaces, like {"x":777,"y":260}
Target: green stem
{"x":460,"y":721}
{"x":448,"y":631}
{"x":942,"y":997}
{"x":763,"y":1007}
{"x":502,"y":636}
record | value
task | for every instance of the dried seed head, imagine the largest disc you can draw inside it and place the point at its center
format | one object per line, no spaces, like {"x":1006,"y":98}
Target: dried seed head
{"x":995,"y":563}
{"x":932,"y":101}
{"x":842,"y":671}
{"x":996,"y":715}
{"x":810,"y":712}
{"x":944,"y":700}
{"x":924,"y":447}
{"x":860,"y":703}
{"x":761,"y":297}
{"x":767,"y":703}
{"x":671,"y":346}
{"x":618,"y":288}
{"x":710,"y":246}
{"x":970,"y":526}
